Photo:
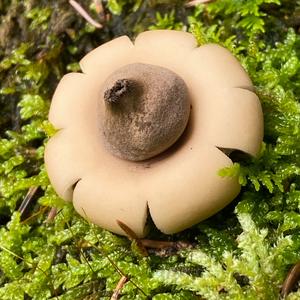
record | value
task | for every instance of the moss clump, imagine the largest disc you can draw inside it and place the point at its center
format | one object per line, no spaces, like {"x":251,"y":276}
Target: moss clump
{"x":244,"y":252}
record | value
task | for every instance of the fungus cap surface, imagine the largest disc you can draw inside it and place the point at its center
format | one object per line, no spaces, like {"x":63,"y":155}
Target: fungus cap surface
{"x":178,"y":187}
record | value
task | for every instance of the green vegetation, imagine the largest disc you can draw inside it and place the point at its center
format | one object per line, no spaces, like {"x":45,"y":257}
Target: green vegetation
{"x":243,"y":252}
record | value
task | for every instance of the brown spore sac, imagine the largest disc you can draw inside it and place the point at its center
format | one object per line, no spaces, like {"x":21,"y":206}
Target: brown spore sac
{"x":144,"y":111}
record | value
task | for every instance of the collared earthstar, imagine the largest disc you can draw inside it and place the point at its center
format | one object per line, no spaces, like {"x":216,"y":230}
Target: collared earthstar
{"x":145,"y":128}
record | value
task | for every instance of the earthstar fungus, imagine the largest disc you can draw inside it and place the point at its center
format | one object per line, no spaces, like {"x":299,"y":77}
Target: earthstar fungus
{"x":140,"y":131}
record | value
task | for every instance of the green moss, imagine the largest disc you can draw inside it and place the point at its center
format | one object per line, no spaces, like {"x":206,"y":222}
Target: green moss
{"x":243,"y":252}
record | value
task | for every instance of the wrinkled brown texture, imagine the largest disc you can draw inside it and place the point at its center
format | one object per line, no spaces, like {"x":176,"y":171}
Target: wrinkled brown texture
{"x":150,"y":115}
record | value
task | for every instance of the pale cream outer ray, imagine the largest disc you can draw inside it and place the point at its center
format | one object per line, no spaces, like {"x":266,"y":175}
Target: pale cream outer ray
{"x":213,"y":67}
{"x":110,"y":188}
{"x":74,"y":101}
{"x":189,"y":189}
{"x":107,"y":58}
{"x":166,"y":48}
{"x":107,"y":188}
{"x":229,"y":118}
{"x":68,"y":159}
{"x":103,"y":197}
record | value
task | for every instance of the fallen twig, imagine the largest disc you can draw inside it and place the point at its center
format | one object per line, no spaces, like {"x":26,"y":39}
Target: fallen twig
{"x":117,"y":291}
{"x":98,"y":6}
{"x":27,"y":199}
{"x":41,"y":211}
{"x":84,"y":14}
{"x":101,"y":11}
{"x":196,"y":2}
{"x":157,"y":244}
{"x":164,"y":244}
{"x":290,"y":280}
{"x":133,"y":237}
{"x":51,"y":215}
{"x":143,"y":244}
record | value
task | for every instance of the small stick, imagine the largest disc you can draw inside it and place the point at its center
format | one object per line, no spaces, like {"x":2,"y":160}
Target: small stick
{"x":100,"y":10}
{"x":164,"y":248}
{"x":41,"y":211}
{"x":117,"y":291}
{"x":98,"y":6}
{"x":196,"y":2}
{"x":143,"y":244}
{"x":51,"y":215}
{"x":131,"y":234}
{"x":133,"y":237}
{"x":290,"y":280}
{"x":157,"y":244}
{"x":84,"y":14}
{"x":26,"y":201}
